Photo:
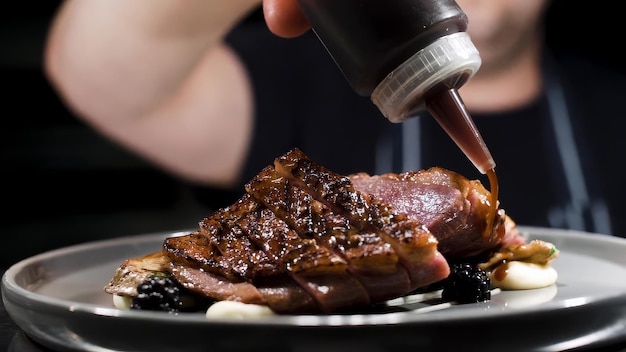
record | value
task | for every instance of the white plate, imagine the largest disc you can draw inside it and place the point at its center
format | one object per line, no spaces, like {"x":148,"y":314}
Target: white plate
{"x":57,"y":298}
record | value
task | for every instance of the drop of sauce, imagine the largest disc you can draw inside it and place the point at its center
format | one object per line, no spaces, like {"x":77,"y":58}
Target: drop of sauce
{"x":493,"y":201}
{"x":501,"y":271}
{"x":447,"y":107}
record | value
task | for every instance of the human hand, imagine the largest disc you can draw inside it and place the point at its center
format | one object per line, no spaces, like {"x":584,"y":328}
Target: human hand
{"x":284,"y":18}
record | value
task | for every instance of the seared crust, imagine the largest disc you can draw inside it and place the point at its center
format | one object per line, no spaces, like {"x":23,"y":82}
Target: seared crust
{"x":411,"y":241}
{"x":370,"y":259}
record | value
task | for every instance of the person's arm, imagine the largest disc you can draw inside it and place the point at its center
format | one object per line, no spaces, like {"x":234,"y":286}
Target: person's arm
{"x":154,"y":76}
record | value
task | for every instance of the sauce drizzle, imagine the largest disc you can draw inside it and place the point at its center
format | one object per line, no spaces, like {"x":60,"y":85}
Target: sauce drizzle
{"x":493,"y":201}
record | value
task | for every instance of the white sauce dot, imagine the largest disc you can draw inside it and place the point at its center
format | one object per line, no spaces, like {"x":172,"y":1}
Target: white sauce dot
{"x":231,"y":309}
{"x":525,"y":276}
{"x":121,"y":302}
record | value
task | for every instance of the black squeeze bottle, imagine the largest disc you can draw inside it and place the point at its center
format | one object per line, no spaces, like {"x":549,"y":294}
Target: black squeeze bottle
{"x":409,"y":56}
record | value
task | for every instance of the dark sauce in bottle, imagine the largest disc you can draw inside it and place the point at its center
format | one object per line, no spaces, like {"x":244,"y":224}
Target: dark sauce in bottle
{"x":368,"y":39}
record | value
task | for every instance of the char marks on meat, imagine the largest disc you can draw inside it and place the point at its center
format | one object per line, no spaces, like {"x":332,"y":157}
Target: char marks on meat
{"x":414,"y":246}
{"x":303,"y":239}
{"x":371,"y":260}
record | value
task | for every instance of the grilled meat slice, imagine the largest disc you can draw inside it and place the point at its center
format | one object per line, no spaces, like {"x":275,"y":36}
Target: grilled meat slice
{"x":287,"y":296}
{"x":224,"y":229}
{"x":282,"y":294}
{"x":233,"y":258}
{"x":373,"y":261}
{"x":198,"y":251}
{"x":453,"y":208}
{"x":415,"y":246}
{"x":215,"y":287}
{"x":318,"y":270}
{"x":284,"y":256}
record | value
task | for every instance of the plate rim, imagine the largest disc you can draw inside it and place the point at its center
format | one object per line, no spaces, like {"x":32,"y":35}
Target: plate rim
{"x":11,"y":287}
{"x":16,"y":298}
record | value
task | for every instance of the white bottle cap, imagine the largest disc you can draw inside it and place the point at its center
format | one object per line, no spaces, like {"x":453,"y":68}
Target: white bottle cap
{"x":401,"y":94}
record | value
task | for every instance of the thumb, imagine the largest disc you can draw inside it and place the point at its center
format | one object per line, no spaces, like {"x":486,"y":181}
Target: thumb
{"x":284,"y":18}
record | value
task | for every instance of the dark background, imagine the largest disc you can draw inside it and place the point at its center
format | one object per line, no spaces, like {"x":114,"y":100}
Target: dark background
{"x":61,"y":183}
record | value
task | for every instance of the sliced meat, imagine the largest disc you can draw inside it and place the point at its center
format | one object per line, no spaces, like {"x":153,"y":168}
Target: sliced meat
{"x":453,"y":208}
{"x":411,"y":241}
{"x":322,"y":273}
{"x":248,"y":261}
{"x":198,"y":251}
{"x":214,"y":286}
{"x":228,"y":281}
{"x":373,"y":261}
{"x":304,"y":239}
{"x":256,"y":248}
{"x":286,"y":296}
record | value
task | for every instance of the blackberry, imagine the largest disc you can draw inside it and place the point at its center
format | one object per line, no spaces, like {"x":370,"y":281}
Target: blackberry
{"x":466,"y":284}
{"x":158,"y":293}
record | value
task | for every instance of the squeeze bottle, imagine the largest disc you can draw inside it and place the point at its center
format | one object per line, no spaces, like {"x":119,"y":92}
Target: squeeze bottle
{"x":409,"y":56}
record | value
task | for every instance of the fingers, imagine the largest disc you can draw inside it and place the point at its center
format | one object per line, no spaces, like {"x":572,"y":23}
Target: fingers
{"x":284,"y":19}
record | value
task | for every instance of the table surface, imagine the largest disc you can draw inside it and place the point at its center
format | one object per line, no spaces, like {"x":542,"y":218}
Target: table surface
{"x":13,"y":339}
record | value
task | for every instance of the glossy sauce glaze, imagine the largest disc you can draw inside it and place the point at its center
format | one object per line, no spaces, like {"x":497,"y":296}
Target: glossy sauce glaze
{"x":493,"y":201}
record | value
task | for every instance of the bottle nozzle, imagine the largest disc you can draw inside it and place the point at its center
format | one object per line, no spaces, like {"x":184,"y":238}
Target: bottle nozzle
{"x":449,"y":110}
